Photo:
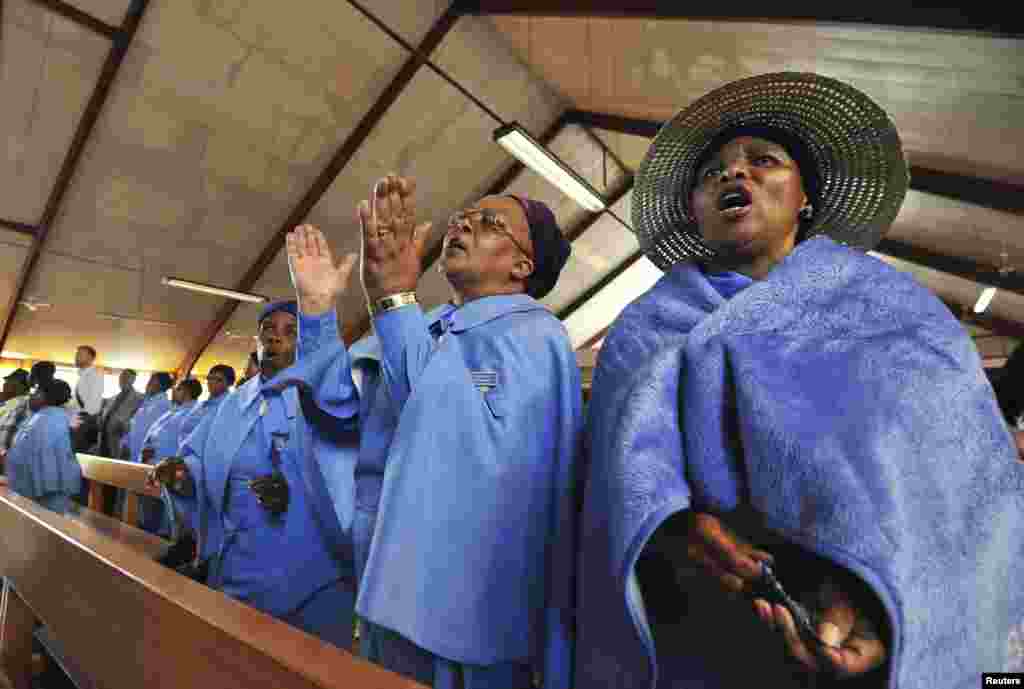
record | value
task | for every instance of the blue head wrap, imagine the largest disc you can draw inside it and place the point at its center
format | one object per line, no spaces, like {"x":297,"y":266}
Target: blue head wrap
{"x":289,"y":306}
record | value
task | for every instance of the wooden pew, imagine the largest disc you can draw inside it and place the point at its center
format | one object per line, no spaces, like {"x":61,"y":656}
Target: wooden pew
{"x":109,"y":474}
{"x":128,"y":622}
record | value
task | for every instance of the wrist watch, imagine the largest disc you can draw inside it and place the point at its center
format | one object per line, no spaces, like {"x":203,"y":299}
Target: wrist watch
{"x":392,"y":302}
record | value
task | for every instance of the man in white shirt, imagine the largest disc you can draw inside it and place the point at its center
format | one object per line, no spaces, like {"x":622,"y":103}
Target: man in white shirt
{"x":89,"y":399}
{"x":89,"y":390}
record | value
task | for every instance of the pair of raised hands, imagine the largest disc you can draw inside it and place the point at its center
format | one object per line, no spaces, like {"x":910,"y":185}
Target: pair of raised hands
{"x":854,"y":643}
{"x":392,"y":249}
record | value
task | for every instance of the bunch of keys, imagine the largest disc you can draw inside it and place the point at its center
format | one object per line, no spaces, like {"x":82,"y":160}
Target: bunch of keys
{"x":769,"y":589}
{"x":271,"y":492}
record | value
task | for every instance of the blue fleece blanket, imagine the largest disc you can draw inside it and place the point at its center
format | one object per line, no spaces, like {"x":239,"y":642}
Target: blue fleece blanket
{"x":869,"y":436}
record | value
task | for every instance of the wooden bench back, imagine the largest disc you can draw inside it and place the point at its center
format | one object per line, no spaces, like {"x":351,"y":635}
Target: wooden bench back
{"x":128,"y":622}
{"x":109,"y":474}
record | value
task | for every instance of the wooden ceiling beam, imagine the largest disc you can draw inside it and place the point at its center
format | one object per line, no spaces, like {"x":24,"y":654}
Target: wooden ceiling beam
{"x":952,"y":265}
{"x":90,"y":116}
{"x":15,"y":226}
{"x":341,"y":158}
{"x":977,"y":19}
{"x":1000,"y":196}
{"x":82,"y":18}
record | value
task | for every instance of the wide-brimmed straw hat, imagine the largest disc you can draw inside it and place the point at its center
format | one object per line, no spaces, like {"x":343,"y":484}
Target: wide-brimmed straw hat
{"x":860,"y":175}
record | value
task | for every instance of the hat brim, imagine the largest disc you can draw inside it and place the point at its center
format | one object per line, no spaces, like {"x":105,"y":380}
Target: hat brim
{"x":862,"y":172}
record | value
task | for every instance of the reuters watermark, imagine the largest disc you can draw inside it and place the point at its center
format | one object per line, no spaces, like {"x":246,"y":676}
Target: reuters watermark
{"x":1003,"y":679}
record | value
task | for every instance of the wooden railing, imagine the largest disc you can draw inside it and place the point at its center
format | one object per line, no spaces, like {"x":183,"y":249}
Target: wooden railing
{"x":108,"y":475}
{"x":128,"y":622}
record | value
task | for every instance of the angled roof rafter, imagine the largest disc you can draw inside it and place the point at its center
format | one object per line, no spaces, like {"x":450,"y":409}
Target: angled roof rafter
{"x":977,"y":19}
{"x":82,"y":18}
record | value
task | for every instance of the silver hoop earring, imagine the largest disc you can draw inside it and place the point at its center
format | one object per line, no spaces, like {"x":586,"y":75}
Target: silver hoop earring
{"x":806,"y":213}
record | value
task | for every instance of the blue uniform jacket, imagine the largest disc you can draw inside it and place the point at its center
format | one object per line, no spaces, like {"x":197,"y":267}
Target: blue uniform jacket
{"x":319,"y":442}
{"x":469,"y":447}
{"x":152,"y":408}
{"x":41,"y":461}
{"x":199,"y":412}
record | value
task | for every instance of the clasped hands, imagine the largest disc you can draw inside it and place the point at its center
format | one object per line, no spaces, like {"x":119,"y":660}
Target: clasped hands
{"x":391,"y":250}
{"x":855,"y":644}
{"x":173,"y":473}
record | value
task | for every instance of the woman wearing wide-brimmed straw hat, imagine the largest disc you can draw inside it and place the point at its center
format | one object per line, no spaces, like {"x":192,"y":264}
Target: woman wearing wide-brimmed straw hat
{"x":798,"y":470}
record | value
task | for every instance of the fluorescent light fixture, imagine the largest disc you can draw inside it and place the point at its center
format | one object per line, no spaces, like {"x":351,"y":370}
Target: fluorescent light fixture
{"x":518,"y":142}
{"x":601,"y":310}
{"x":144,"y":321}
{"x":13,"y":355}
{"x":984,"y":300}
{"x":210,"y":289}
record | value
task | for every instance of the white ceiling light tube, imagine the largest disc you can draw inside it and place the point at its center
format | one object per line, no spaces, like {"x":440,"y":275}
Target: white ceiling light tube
{"x":210,"y":289}
{"x":133,"y":319}
{"x":984,"y":299}
{"x":518,"y":142}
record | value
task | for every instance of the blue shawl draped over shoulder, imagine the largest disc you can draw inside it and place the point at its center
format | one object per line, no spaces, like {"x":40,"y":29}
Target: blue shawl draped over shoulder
{"x":870,"y":436}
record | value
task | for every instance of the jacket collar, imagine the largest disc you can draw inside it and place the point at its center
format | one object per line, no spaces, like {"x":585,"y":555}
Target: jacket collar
{"x":255,"y":387}
{"x":486,"y":309}
{"x":249,"y":393}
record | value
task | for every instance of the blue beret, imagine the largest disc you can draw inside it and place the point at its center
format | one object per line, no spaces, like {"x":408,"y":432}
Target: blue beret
{"x":289,"y":306}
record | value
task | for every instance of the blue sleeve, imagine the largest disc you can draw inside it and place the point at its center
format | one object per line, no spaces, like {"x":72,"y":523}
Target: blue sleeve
{"x":191,"y":450}
{"x":406,"y":345}
{"x":316,"y":332}
{"x":323,"y":373}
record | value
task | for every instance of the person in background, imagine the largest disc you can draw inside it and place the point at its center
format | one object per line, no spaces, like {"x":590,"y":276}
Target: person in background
{"x":163,"y":439}
{"x":15,"y":392}
{"x":87,"y":400}
{"x":41,"y":464}
{"x":116,"y":413}
{"x":154,"y":405}
{"x":15,"y":386}
{"x":1009,"y":388}
{"x":41,"y":374}
{"x":218,"y":382}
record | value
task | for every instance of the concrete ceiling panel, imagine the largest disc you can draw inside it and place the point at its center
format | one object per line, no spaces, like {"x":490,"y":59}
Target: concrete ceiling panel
{"x":48,"y":67}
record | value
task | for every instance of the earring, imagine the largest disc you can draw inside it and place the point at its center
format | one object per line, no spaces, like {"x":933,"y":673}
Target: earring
{"x":806,"y":213}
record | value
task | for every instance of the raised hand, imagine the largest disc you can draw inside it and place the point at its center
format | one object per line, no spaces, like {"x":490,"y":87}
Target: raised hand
{"x":393,"y":243}
{"x":317,"y":279}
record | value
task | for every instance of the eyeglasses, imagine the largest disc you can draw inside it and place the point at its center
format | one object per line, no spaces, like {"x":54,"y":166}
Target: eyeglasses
{"x":491,"y":221}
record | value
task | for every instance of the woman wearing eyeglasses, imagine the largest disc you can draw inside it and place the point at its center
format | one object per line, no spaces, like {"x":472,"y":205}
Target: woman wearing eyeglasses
{"x":470,"y":420}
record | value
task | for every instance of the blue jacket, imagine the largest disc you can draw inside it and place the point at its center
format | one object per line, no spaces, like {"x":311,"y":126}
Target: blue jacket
{"x":166,"y":433}
{"x":41,"y":461}
{"x":199,"y":412}
{"x":212,"y":449}
{"x":468,"y":452}
{"x":152,"y":408}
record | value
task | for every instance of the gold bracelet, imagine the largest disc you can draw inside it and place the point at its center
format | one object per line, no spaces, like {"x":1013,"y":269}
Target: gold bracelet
{"x":392,"y":302}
